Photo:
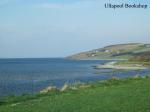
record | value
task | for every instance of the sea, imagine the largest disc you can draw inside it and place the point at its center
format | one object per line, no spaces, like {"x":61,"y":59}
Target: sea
{"x":31,"y":75}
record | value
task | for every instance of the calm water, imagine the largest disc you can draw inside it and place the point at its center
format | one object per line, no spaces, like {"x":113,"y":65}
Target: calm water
{"x":18,"y":76}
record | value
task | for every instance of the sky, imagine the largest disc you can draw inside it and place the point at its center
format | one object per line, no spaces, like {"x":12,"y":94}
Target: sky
{"x":58,"y":28}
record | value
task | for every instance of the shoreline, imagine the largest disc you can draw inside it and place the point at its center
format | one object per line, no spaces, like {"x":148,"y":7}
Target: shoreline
{"x":112,"y":65}
{"x":99,"y":59}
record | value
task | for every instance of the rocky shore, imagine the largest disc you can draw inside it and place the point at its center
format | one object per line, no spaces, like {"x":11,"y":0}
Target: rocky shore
{"x":113,"y":65}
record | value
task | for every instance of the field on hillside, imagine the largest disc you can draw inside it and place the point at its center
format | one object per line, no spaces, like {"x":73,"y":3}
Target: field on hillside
{"x":115,"y":52}
{"x":114,"y":95}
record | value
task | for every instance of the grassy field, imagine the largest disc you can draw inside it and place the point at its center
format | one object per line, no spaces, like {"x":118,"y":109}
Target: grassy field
{"x":114,"y":52}
{"x":114,"y":95}
{"x":128,"y":63}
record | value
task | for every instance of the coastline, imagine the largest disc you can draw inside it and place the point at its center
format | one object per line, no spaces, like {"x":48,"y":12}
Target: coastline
{"x":99,"y":59}
{"x":113,"y":65}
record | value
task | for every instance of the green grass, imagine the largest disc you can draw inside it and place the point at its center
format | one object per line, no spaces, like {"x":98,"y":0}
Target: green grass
{"x":115,"y":95}
{"x":132,"y":63}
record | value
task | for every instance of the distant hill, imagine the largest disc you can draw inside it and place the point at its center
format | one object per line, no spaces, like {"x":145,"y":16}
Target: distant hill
{"x":119,"y":51}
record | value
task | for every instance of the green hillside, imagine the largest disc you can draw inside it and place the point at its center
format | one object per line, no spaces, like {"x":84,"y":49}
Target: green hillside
{"x":120,"y":51}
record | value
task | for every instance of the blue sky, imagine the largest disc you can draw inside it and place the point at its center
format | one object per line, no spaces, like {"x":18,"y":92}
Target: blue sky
{"x":57,"y":28}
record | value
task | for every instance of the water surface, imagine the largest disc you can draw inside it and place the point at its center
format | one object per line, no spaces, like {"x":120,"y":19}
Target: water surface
{"x":18,"y":76}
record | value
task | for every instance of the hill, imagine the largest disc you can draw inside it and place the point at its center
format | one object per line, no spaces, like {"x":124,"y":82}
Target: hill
{"x":117,"y":52}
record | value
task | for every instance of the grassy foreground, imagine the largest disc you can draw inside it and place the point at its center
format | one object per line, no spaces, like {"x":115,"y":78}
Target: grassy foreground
{"x":115,"y":95}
